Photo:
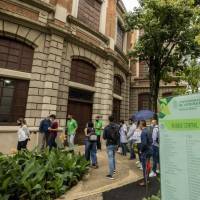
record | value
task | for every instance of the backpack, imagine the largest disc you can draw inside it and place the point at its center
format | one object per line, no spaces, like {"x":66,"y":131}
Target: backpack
{"x":149,"y":135}
{"x":114,"y":134}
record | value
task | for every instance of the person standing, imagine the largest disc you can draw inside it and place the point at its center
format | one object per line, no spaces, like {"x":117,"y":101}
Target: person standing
{"x":123,"y":137}
{"x":131,"y":138}
{"x":23,"y":134}
{"x":91,"y":144}
{"x":44,"y":130}
{"x":155,"y":148}
{"x":71,"y":130}
{"x":145,"y":152}
{"x":98,"y":128}
{"x":137,"y":141}
{"x":111,"y":135}
{"x":53,"y":131}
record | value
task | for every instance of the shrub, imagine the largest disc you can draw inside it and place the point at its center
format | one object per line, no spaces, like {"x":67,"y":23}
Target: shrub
{"x":39,"y":175}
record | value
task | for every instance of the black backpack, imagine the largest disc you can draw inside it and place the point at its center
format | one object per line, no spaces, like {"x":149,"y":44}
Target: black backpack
{"x":114,"y":134}
{"x":149,"y":135}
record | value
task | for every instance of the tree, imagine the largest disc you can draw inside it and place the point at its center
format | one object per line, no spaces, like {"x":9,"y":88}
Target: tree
{"x":191,"y":75}
{"x":169,"y":28}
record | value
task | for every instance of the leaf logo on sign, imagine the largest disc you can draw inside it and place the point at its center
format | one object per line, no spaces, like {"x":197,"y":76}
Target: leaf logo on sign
{"x":164,"y":108}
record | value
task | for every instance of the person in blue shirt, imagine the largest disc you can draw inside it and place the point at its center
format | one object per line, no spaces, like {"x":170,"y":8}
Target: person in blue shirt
{"x":146,"y":152}
{"x":44,"y":130}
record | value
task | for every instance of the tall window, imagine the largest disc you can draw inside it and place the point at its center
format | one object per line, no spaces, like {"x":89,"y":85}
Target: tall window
{"x":13,"y":98}
{"x":120,"y":36}
{"x":82,"y":72}
{"x":117,"y":85}
{"x":89,"y":12}
{"x":144,"y":101}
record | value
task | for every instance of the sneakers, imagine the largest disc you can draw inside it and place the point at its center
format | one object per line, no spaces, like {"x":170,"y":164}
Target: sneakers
{"x":152,"y":174}
{"x":137,"y":163}
{"x":157,"y":171}
{"x":110,"y":177}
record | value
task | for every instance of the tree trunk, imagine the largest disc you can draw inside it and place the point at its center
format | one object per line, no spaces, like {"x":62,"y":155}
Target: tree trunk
{"x":154,"y":78}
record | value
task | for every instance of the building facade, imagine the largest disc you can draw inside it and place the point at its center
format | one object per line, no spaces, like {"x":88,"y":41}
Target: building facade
{"x":61,"y":57}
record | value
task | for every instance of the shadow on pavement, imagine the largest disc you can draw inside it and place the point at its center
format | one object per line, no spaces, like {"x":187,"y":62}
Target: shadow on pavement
{"x":133,"y":191}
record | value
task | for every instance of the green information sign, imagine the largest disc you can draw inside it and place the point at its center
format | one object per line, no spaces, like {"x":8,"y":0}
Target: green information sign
{"x":180,"y":147}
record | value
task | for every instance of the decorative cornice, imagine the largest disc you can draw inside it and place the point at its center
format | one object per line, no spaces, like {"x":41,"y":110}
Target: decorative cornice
{"x":22,"y":21}
{"x":40,"y":4}
{"x":77,"y":22}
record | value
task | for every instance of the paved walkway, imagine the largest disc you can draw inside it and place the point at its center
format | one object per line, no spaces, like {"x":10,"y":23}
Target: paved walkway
{"x":95,"y":183}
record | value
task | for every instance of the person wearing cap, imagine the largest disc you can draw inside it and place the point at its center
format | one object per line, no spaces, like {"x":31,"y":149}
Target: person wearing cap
{"x":98,"y":130}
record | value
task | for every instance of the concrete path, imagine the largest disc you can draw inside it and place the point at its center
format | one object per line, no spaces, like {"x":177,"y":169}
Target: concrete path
{"x":95,"y":183}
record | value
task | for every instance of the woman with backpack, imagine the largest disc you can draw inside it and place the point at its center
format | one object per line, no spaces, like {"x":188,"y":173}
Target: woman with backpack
{"x":23,"y":134}
{"x":91,"y":144}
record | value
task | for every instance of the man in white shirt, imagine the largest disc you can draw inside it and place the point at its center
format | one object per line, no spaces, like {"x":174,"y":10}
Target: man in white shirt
{"x":130,"y":136}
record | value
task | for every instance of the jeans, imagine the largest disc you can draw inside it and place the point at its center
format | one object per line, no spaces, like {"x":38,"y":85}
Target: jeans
{"x":91,"y":152}
{"x":45,"y":139}
{"x":155,"y":157}
{"x":52,"y":141}
{"x":132,"y":152}
{"x":70,"y":139}
{"x":124,"y":148}
{"x":111,"y":158}
{"x":99,"y":142}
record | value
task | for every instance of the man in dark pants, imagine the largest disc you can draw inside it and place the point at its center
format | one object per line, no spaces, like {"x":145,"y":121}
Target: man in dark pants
{"x":155,"y":148}
{"x":44,"y":130}
{"x":146,"y":152}
{"x":111,"y":135}
{"x":53,"y":132}
{"x":98,"y":129}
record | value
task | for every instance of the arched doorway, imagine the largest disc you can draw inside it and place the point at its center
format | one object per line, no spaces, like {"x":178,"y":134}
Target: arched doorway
{"x":81,"y":101}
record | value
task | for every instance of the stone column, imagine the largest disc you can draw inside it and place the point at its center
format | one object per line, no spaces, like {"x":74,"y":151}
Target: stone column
{"x":103,"y":98}
{"x":51,"y":84}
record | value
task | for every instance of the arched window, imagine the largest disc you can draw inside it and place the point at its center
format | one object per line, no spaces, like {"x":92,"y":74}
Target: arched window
{"x":15,"y":55}
{"x":82,"y":72}
{"x":144,"y":101}
{"x":117,"y":85}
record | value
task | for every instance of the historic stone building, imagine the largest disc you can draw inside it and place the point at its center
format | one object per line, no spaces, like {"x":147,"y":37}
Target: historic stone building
{"x":60,"y":57}
{"x":139,"y":88}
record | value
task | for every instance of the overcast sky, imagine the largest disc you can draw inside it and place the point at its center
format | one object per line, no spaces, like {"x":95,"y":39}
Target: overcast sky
{"x":130,"y":4}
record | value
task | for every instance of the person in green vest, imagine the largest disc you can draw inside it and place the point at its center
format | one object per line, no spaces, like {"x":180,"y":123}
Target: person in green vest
{"x":98,"y":130}
{"x":71,"y":130}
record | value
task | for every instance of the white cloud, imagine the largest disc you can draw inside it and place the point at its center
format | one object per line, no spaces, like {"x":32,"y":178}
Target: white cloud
{"x":130,"y":4}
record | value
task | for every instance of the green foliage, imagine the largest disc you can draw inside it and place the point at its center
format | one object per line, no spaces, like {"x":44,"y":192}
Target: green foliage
{"x":170,"y":29}
{"x":39,"y":175}
{"x":191,"y":75}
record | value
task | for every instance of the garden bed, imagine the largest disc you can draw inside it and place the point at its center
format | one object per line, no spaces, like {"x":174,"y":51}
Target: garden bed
{"x":39,"y":175}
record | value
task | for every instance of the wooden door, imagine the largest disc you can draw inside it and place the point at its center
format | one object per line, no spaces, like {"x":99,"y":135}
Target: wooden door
{"x":116,"y":109}
{"x":82,"y":113}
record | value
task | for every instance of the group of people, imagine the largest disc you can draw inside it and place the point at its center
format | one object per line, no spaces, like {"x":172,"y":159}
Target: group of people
{"x":48,"y":127}
{"x":117,"y":136}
